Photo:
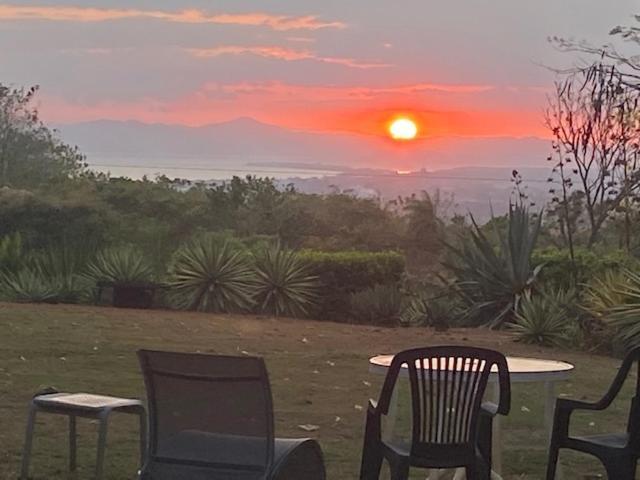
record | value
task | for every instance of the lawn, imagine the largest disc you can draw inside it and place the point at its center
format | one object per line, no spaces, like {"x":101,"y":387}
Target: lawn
{"x":318,"y":370}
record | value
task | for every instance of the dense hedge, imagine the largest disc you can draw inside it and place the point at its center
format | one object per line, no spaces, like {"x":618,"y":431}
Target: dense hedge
{"x":557,"y":269}
{"x":343,"y":273}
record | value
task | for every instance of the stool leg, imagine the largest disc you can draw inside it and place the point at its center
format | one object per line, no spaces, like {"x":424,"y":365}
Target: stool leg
{"x":102,"y":443}
{"x":72,"y":443}
{"x":143,"y":437}
{"x":28,"y":443}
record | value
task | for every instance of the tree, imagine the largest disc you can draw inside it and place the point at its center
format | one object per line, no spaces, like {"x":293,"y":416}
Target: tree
{"x":30,"y":154}
{"x":592,"y":116}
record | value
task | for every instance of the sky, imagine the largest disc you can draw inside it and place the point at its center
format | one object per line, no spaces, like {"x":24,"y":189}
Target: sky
{"x":472,"y":68}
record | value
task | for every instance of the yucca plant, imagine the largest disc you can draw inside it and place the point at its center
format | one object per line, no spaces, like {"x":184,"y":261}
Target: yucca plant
{"x":209,"y":276}
{"x":491,"y":277}
{"x":28,"y":285}
{"x":616,"y":300}
{"x":284,"y":284}
{"x":378,"y":305}
{"x":437,"y":311}
{"x":11,"y":252}
{"x":542,"y":320}
{"x":63,"y":268}
{"x":123,"y":265}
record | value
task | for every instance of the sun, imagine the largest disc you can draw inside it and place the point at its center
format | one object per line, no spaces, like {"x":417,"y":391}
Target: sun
{"x":403,"y":129}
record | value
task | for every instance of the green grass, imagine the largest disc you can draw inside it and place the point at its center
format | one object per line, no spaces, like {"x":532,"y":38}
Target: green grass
{"x":318,"y":370}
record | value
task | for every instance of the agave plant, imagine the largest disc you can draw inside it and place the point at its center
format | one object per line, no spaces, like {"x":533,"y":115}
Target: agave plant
{"x":542,"y":320}
{"x":208,"y":275}
{"x":378,"y":305}
{"x":616,"y":300}
{"x":435,"y":312}
{"x":284,"y":284}
{"x":121,"y":266}
{"x":11,"y":252}
{"x":491,"y":279}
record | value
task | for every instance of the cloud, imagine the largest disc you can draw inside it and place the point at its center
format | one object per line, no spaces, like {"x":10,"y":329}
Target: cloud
{"x":280,"y":53}
{"x":82,"y":14}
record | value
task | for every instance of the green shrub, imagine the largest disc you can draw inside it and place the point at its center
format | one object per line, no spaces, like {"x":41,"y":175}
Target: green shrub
{"x":378,"y":305}
{"x":28,"y":285}
{"x":542,"y":320}
{"x":493,"y":274}
{"x":615,"y":300}
{"x":284,"y":285}
{"x":121,"y":266}
{"x":558,"y":271}
{"x":344,"y":273}
{"x":11,"y":252}
{"x":438,"y":312}
{"x":210,"y":276}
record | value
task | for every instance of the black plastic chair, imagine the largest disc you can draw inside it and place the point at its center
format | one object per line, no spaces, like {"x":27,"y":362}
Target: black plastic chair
{"x":451,"y":427}
{"x":618,"y":452}
{"x":211,"y":418}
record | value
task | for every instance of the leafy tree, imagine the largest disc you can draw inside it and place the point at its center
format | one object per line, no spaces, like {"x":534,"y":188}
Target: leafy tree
{"x":30,"y":154}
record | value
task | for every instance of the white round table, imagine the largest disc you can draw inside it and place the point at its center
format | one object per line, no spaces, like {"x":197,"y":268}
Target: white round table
{"x":521,"y":370}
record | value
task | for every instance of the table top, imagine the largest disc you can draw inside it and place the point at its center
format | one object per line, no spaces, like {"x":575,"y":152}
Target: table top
{"x":86,"y":401}
{"x":521,"y":369}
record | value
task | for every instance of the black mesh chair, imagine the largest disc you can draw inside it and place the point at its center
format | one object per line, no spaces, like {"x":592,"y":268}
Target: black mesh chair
{"x":618,"y":452}
{"x":451,"y":427}
{"x":211,"y":418}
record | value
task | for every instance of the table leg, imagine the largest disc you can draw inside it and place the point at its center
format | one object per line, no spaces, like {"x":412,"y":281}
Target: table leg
{"x":72,"y":443}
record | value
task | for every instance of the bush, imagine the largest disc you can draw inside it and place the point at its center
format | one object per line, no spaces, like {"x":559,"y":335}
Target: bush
{"x":11,"y":252}
{"x":379,"y":305}
{"x":344,"y":273}
{"x":209,"y":276}
{"x":557,"y":271}
{"x":284,"y":285}
{"x":438,"y":312}
{"x":124,"y":265}
{"x":28,"y":285}
{"x":542,"y":320}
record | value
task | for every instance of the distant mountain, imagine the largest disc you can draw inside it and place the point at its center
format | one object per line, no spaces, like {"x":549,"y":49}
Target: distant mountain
{"x":247,"y":144}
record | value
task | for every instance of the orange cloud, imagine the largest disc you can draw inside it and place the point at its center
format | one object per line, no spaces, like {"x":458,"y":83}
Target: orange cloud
{"x":280,"y":53}
{"x":81,"y":14}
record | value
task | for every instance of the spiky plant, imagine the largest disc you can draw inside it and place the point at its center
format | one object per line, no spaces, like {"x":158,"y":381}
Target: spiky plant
{"x":541,"y":320}
{"x":284,"y":284}
{"x":28,"y":285}
{"x":209,"y":276}
{"x":11,"y":252}
{"x":437,"y":311}
{"x":123,"y":265}
{"x":491,"y":277}
{"x":378,"y":305}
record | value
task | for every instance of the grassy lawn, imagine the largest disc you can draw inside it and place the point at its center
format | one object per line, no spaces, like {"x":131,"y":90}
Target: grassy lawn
{"x":319,"y":374}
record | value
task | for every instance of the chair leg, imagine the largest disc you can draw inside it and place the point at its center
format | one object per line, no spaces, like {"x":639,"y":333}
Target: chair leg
{"x":143,"y":437}
{"x":620,"y":469}
{"x":72,"y":443}
{"x":552,"y":462}
{"x":371,"y":462}
{"x":102,"y":443}
{"x":399,"y":470}
{"x":28,"y":442}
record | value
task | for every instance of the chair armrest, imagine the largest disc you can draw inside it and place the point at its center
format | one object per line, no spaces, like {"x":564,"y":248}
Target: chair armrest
{"x":568,"y":405}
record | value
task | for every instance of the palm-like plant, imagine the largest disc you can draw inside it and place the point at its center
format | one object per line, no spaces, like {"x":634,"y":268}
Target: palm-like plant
{"x":209,"y":276}
{"x":11,"y":252}
{"x":284,"y":284}
{"x":541,"y":320}
{"x":491,"y":279}
{"x":124,"y":265}
{"x":378,"y":305}
{"x":28,"y":285}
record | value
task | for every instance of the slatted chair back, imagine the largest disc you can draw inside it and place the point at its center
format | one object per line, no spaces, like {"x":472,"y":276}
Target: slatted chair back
{"x":209,"y":412}
{"x":447,"y":386}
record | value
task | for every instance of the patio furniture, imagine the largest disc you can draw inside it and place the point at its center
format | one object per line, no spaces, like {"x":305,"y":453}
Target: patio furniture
{"x":211,"y":418}
{"x":521,"y":370}
{"x":451,"y":427}
{"x":84,"y":405}
{"x":619,"y":451}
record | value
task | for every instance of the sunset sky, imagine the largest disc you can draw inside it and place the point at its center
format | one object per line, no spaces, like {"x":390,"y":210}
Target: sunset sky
{"x":459,"y":68}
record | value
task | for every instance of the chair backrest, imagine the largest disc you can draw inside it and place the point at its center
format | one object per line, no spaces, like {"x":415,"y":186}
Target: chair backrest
{"x":447,"y":385}
{"x":210,"y":411}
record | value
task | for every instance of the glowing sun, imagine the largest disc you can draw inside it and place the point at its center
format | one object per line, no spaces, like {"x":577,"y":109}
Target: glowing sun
{"x":403,"y":129}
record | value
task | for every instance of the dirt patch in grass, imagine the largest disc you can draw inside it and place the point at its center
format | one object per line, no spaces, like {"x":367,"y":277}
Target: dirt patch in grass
{"x":319,"y":373}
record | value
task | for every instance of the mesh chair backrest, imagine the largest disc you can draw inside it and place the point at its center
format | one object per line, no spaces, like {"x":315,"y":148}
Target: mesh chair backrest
{"x":447,"y":386}
{"x":209,"y":410}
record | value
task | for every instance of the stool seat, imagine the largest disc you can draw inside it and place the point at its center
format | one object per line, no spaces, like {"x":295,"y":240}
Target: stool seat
{"x":83,"y":401}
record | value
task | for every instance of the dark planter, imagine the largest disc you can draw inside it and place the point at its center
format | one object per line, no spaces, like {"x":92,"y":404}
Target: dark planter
{"x":133,"y":296}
